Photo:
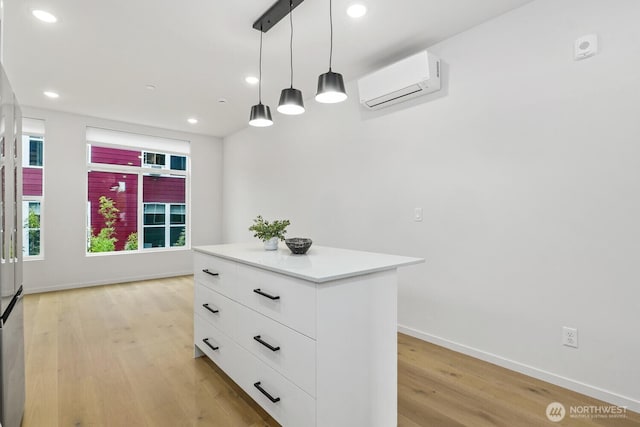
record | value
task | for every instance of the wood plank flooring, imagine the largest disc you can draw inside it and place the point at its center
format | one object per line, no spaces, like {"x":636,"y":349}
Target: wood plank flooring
{"x":121,"y":355}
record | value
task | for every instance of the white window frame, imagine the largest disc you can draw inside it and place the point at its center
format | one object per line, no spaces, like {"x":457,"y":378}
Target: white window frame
{"x":26,"y":150}
{"x":37,"y":130}
{"x":25,"y":231}
{"x":141,"y":171}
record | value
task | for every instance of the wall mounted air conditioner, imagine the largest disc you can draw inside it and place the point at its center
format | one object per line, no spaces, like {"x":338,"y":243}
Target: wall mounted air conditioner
{"x":411,"y":77}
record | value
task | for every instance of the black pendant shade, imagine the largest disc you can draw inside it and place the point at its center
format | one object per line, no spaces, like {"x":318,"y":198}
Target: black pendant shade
{"x":291,"y":102}
{"x":331,"y":88}
{"x":331,"y":85}
{"x":260,"y":116}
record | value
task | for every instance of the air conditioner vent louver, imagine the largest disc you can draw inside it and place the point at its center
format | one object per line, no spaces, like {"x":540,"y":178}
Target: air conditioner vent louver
{"x":395,"y":96}
{"x":411,"y":77}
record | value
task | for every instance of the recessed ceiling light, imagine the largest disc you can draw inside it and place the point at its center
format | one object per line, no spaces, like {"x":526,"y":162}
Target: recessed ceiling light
{"x":44,"y":16}
{"x":252,"y":80}
{"x":357,"y":10}
{"x":51,"y":94}
{"x":192,"y":120}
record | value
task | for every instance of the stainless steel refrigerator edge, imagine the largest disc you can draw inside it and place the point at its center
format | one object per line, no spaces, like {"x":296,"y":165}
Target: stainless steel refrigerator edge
{"x":12,"y":393}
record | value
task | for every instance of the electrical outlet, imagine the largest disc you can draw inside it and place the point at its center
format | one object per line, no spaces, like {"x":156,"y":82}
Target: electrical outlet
{"x":570,"y":337}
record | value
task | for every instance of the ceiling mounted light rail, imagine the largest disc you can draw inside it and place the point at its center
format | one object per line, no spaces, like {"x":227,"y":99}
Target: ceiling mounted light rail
{"x":271,"y":17}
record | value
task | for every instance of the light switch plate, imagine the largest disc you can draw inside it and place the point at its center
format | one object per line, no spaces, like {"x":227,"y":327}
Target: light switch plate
{"x":417,"y":214}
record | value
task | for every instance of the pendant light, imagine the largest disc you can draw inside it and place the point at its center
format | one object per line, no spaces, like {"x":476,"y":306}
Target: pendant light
{"x":260,"y":113}
{"x":330,"y":84}
{"x":291,"y":99}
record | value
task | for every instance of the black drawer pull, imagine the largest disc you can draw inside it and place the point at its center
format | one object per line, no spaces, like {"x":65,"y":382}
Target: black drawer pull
{"x":258,"y":291}
{"x":211,"y":273}
{"x":266,"y":344}
{"x":210,"y":309}
{"x":263,"y":391}
{"x":206,"y":341}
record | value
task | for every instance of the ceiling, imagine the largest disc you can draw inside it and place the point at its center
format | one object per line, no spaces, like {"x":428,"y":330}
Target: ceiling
{"x":101,"y":55}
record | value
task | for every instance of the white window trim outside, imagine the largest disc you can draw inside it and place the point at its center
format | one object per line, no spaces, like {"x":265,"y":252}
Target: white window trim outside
{"x":167,"y":223}
{"x":165,"y":166}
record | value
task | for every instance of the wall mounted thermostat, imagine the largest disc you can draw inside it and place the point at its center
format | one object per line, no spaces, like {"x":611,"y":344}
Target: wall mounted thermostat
{"x":585,"y":47}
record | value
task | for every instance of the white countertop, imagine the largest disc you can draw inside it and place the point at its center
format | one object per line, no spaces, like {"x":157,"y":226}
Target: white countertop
{"x":320,"y":264}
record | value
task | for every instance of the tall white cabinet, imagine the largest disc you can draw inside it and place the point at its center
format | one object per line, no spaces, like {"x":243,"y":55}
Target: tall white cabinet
{"x":311,"y":338}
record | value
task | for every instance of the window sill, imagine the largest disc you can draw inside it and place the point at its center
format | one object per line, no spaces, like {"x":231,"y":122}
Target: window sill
{"x":139,"y":251}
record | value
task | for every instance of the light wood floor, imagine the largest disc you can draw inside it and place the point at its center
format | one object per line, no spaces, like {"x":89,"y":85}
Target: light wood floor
{"x":121,"y":355}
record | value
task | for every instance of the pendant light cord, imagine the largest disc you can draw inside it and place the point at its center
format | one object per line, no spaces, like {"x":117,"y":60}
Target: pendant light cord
{"x":291,"y":40}
{"x":260,"y":72}
{"x":331,"y":44}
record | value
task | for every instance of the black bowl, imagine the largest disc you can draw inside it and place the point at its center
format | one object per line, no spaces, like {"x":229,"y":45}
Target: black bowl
{"x":298,"y":245}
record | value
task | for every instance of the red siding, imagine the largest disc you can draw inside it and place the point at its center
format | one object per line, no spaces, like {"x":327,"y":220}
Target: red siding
{"x":115,"y":156}
{"x":32,"y":181}
{"x":163,"y":189}
{"x":105,"y":184}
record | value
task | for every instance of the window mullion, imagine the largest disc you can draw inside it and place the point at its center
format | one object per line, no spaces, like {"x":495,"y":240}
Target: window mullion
{"x":167,"y":225}
{"x":140,"y":206}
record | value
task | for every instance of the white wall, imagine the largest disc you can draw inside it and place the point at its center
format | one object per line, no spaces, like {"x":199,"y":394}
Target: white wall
{"x":66,"y":264}
{"x":527,"y":169}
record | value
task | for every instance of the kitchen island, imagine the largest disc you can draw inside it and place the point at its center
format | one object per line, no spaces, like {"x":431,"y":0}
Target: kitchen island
{"x":311,"y":338}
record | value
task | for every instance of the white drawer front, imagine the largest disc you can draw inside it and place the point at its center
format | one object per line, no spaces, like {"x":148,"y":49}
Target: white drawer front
{"x":285,"y":350}
{"x":216,"y":308}
{"x":285,"y":299}
{"x":215,"y":273}
{"x":217,"y":346}
{"x":294,"y":407}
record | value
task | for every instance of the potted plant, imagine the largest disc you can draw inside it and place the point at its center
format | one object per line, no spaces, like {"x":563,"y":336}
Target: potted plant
{"x":269,"y":232}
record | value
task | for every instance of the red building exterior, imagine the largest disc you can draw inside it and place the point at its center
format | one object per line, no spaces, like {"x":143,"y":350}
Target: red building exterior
{"x":162,"y":189}
{"x":123,"y":190}
{"x":115,"y":156}
{"x":31,"y":181}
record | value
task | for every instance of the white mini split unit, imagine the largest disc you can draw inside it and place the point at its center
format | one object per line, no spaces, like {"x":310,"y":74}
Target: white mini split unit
{"x":409,"y":78}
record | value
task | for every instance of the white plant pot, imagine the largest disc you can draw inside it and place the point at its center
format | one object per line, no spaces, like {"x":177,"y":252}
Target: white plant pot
{"x":271,"y":244}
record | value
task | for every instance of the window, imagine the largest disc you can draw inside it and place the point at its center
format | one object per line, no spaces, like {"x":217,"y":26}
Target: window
{"x":31,"y":231}
{"x":35,"y":145}
{"x":154,"y":160}
{"x":159,"y":161}
{"x":33,"y":141}
{"x":160,"y":233}
{"x":137,"y":198}
{"x":179,"y":163}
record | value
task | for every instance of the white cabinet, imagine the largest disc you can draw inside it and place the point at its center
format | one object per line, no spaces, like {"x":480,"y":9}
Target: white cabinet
{"x":311,"y":338}
{"x":285,"y":350}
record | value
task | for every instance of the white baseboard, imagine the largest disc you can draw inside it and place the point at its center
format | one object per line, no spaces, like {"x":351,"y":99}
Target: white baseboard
{"x":67,"y":286}
{"x":577,"y":386}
